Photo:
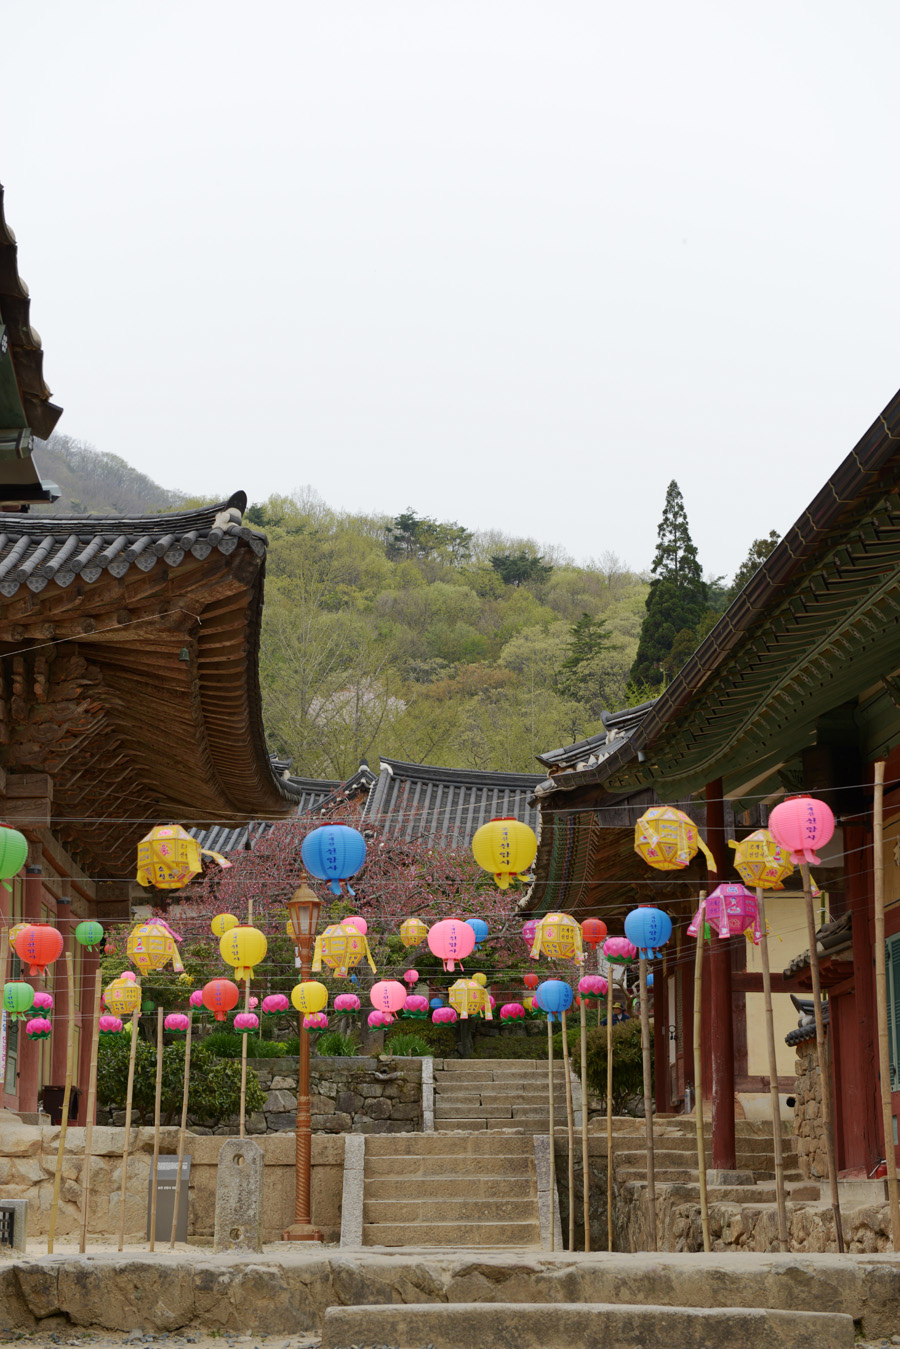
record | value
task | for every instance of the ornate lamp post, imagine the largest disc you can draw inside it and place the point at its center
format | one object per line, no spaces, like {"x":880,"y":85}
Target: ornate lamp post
{"x":303,"y":908}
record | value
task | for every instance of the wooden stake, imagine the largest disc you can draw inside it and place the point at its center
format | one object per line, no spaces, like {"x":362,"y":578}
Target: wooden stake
{"x":585,"y":1157}
{"x":648,"y":1103}
{"x":67,"y":1093}
{"x":153,"y":1175}
{"x":245,"y":1037}
{"x":820,"y":1054}
{"x":552,"y":1139}
{"x":773,"y":1075}
{"x":183,"y":1129}
{"x":126,"y":1146}
{"x":609,"y":1087}
{"x":89,"y":1117}
{"x":698,"y":1074}
{"x":570,"y":1132}
{"x":884,"y":1054}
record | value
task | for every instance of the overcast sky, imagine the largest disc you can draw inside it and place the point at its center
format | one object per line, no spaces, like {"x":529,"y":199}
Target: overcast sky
{"x":515,"y":264}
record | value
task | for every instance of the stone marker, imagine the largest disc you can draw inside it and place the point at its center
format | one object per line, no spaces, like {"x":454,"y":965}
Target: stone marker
{"x":239,"y":1196}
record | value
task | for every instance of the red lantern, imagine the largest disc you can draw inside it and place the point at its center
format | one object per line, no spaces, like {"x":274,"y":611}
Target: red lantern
{"x":530,"y":980}
{"x":801,"y":824}
{"x":39,"y":945}
{"x":593,"y":931}
{"x":220,"y":996}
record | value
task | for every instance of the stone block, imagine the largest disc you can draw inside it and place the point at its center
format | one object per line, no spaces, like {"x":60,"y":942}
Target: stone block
{"x":348,"y":1101}
{"x":256,"y":1123}
{"x":287,"y":1120}
{"x":370,"y":1089}
{"x":280,"y":1101}
{"x":401,"y":1111}
{"x":379,"y":1108}
{"x":333,"y":1124}
{"x":321,"y":1105}
{"x":283,"y":1084}
{"x":20,"y":1140}
{"x":239,"y":1197}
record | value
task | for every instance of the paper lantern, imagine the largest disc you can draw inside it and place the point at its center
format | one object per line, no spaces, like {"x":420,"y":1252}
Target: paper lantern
{"x":38,"y":946}
{"x":334,"y":852}
{"x":667,"y":839}
{"x":506,"y":847}
{"x":39,"y":1028}
{"x":222,"y":923}
{"x":309,"y":997}
{"x":512,"y":1011}
{"x":177,"y":1023}
{"x":469,"y":999}
{"x":760,"y":862}
{"x":316,"y":1021}
{"x":554,"y":997}
{"x":246,"y":1022}
{"x":346,"y":1002}
{"x":411,"y":977}
{"x":413,"y":932}
{"x":592,"y":988}
{"x":109,"y":949}
{"x":593,"y":932}
{"x":110,"y":1025}
{"x":341,"y":946}
{"x":14,"y":932}
{"x":480,"y":978}
{"x":387,"y":995}
{"x":619,"y":951}
{"x":530,"y":980}
{"x":13,"y":852}
{"x":17,"y":999}
{"x":532,"y":1011}
{"x":220,"y":996}
{"x":243,"y":948}
{"x":167,"y":858}
{"x":196,"y":998}
{"x":122,"y":997}
{"x":416,"y":1007}
{"x":648,"y":929}
{"x":43,"y":1001}
{"x":559,"y":937}
{"x":275,"y":1004}
{"x":356,"y":921}
{"x":479,"y":927}
{"x":801,"y":824}
{"x":89,"y":934}
{"x":730,"y":909}
{"x":528,"y":931}
{"x":443,"y":1014}
{"x":451,"y":941}
{"x":376,"y":1019}
{"x":151,"y":946}
{"x":436,"y":1002}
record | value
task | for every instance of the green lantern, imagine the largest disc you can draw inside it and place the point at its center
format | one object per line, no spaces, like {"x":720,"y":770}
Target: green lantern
{"x":13,"y":852}
{"x":17,"y":999}
{"x":89,"y":933}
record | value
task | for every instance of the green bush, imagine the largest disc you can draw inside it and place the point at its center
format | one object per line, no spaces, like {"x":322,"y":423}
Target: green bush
{"x":408,"y":1046}
{"x":334,"y":1044}
{"x":225,"y":1044}
{"x":628,"y":1080}
{"x":214,"y":1092}
{"x":441,"y":1040}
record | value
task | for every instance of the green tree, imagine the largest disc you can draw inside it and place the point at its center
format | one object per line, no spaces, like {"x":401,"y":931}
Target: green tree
{"x":516,"y":569}
{"x":581,"y":676}
{"x":214,"y":1092}
{"x":759,"y":551}
{"x":678,"y":597}
{"x":414,"y":536}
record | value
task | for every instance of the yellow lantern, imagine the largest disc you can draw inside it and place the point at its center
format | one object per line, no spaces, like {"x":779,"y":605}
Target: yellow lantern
{"x":309,"y":997}
{"x":413,"y":932}
{"x":14,"y":932}
{"x":506,"y":847}
{"x":760,"y":862}
{"x":341,"y":947}
{"x":469,"y":999}
{"x":667,"y":839}
{"x":222,"y":923}
{"x":558,"y":936}
{"x":122,"y":997}
{"x":150,"y":946}
{"x":243,"y":947}
{"x":167,"y":858}
{"x":480,"y":978}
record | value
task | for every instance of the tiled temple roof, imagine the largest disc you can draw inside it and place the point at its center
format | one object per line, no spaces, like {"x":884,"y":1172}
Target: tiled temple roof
{"x":447,"y":804}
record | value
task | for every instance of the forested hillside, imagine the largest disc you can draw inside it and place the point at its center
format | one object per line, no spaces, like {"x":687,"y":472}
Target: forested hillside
{"x":92,"y":482}
{"x":419,"y":640}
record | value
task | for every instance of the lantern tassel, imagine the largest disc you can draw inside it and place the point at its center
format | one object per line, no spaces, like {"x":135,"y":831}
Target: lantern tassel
{"x":336,"y":888}
{"x":710,"y":860}
{"x":317,"y":956}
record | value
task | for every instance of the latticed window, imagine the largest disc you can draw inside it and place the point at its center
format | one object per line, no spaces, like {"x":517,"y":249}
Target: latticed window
{"x":892,"y":962}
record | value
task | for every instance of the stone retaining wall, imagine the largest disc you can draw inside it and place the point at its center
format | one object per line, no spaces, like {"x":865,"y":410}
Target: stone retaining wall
{"x":809,"y":1128}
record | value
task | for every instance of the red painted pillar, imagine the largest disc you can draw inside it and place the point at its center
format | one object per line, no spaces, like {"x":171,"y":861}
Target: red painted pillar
{"x":29,"y":1050}
{"x":90,"y":964}
{"x":863,"y":1130}
{"x":661,"y":1041}
{"x":61,"y":1009}
{"x":721,"y":1025}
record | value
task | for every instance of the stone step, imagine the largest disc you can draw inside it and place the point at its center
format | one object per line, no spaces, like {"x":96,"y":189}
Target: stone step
{"x":450,"y":1234}
{"x":683,"y":1176}
{"x":480,"y":1109}
{"x":496,"y":1065}
{"x":535,"y":1325}
{"x":415,"y":1212}
{"x":437,"y":1187}
{"x":428,"y":1145}
{"x":458,"y":1166}
{"x":497,"y":1091}
{"x":746,"y":1161}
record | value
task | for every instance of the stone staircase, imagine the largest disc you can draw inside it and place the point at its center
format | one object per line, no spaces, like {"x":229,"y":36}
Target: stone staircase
{"x":675,"y":1149}
{"x":480,"y":1094}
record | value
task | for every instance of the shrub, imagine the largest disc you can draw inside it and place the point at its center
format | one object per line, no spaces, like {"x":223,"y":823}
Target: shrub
{"x":628,"y":1080}
{"x":441,"y":1040}
{"x":334,"y":1044}
{"x":407,"y":1046}
{"x":214,"y":1092}
{"x":224,"y":1044}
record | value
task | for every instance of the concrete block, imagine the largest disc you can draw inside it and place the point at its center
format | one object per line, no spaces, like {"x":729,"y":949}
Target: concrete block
{"x":239,"y":1197}
{"x":352,"y":1194}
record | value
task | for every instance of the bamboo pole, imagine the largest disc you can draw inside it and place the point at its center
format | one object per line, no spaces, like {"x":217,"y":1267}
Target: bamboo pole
{"x":129,"y":1096}
{"x":89,"y":1117}
{"x":182,"y":1130}
{"x":552,"y":1138}
{"x":648,"y":1103}
{"x":585,"y":1157}
{"x":884,"y":1054}
{"x":609,"y":1086}
{"x":570,"y":1132}
{"x":67,"y":1094}
{"x":820,"y":1054}
{"x":154,"y":1177}
{"x":773,"y":1075}
{"x":245,"y":1037}
{"x":698,"y":1074}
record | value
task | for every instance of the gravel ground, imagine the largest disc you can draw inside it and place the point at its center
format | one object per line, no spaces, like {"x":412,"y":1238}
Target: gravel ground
{"x":108,"y":1340}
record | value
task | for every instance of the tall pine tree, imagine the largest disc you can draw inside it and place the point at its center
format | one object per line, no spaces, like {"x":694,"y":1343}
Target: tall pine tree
{"x":677,"y":600}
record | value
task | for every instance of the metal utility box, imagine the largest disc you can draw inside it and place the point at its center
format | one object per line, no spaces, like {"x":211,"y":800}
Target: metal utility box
{"x":165,"y":1198}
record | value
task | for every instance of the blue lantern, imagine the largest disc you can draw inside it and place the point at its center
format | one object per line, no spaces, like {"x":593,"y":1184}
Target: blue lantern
{"x":435,"y":1002}
{"x":554,"y":997}
{"x":479,"y":927}
{"x":333,"y":852}
{"x":648,"y":930}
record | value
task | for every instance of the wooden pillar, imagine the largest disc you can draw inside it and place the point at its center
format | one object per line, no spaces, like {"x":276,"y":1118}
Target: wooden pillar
{"x":661,"y":1093}
{"x":686,"y":1025}
{"x":860,"y":1140}
{"x":30,"y":1050}
{"x":721,"y":1024}
{"x":61,"y":1009}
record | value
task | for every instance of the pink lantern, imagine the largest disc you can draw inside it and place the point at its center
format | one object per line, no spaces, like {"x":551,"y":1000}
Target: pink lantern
{"x":387,"y":995}
{"x":346,"y":1002}
{"x":491,"y":1001}
{"x":254,"y":1002}
{"x":196,"y":998}
{"x":441,"y":1014}
{"x":416,"y":1005}
{"x":43,"y":1001}
{"x":274,"y":1004}
{"x":528,"y":932}
{"x":245,"y":1022}
{"x":129,"y":975}
{"x":730,"y":910}
{"x":355,"y":921}
{"x":801,"y":824}
{"x":38,"y":1028}
{"x":619,"y":951}
{"x":451,"y":940}
{"x":315,"y":1021}
{"x":177,"y":1022}
{"x":592,"y":986}
{"x":411,"y":977}
{"x":512,"y":1011}
{"x":110,"y":1025}
{"x":377,"y":1019}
